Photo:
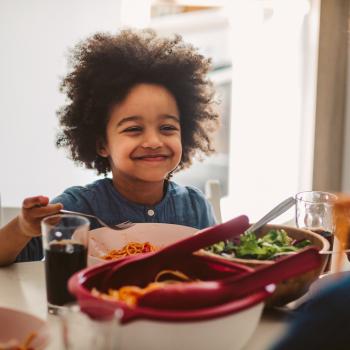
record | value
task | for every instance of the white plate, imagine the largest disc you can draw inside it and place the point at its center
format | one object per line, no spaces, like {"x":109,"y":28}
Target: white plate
{"x":326,"y":280}
{"x":18,"y":325}
{"x":104,"y":239}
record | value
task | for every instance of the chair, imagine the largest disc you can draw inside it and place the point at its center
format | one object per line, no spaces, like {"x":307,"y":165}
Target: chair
{"x":7,"y":214}
{"x":213,"y":194}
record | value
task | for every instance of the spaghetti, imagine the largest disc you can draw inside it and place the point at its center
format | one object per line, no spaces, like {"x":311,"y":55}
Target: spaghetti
{"x":13,"y":344}
{"x":132,"y":248}
{"x":130,"y":294}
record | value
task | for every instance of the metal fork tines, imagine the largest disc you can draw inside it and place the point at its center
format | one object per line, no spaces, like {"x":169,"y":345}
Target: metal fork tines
{"x":122,"y":226}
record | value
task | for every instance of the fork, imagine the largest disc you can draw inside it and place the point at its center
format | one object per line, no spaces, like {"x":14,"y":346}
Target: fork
{"x":122,"y":226}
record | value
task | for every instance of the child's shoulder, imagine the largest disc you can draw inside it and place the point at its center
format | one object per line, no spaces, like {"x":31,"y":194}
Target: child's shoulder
{"x":192,"y":203}
{"x":186,"y":191}
{"x":87,"y":192}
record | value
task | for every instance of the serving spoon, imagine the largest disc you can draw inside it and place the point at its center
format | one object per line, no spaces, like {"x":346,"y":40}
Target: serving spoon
{"x":193,"y":295}
{"x":273,"y":214}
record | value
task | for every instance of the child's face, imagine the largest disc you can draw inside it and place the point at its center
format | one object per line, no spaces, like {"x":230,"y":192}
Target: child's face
{"x":143,"y":135}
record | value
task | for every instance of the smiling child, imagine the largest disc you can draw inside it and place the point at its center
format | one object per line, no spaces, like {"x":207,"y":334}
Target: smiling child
{"x":138,"y":106}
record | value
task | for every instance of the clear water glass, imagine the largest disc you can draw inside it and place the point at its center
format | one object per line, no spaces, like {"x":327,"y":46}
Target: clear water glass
{"x":80,"y":331}
{"x":314,"y":211}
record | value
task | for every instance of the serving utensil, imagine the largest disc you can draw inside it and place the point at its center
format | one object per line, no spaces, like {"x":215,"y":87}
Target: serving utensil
{"x":273,"y":214}
{"x":193,"y":295}
{"x":122,"y":226}
{"x":125,"y":272}
{"x":121,"y":274}
{"x":81,"y":283}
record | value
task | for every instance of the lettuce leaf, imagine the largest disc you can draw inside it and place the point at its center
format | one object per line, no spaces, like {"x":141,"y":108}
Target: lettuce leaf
{"x":263,"y":248}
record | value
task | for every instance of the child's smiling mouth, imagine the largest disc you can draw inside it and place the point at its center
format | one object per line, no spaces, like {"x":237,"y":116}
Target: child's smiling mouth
{"x":152,"y":157}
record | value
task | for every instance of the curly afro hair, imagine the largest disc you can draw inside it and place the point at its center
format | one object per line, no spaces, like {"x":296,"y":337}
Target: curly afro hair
{"x":105,"y":67}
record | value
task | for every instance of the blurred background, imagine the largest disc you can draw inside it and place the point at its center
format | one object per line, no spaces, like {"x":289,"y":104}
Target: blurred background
{"x":280,"y":72}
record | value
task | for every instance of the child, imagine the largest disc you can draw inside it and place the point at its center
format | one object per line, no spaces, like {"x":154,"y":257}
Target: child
{"x":141,"y":107}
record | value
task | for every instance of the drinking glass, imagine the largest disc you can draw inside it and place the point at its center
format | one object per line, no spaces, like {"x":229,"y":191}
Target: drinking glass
{"x":65,"y":244}
{"x":314,"y":211}
{"x":80,"y":332}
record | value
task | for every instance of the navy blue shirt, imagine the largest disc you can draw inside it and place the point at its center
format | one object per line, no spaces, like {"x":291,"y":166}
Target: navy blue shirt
{"x":323,"y":323}
{"x":180,"y":205}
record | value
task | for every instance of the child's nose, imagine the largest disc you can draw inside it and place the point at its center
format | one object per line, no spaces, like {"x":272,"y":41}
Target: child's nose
{"x":152,"y":140}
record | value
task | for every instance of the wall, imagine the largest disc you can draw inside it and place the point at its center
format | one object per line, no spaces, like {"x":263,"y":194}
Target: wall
{"x":35,"y":36}
{"x":346,"y":151}
{"x":331,"y":95}
{"x":274,"y":63}
{"x":274,"y":51}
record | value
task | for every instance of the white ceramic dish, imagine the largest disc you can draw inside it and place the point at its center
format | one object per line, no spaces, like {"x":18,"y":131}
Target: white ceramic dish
{"x":17,"y":325}
{"x":326,"y":281}
{"x":221,"y":327}
{"x":223,"y":333}
{"x":104,"y":239}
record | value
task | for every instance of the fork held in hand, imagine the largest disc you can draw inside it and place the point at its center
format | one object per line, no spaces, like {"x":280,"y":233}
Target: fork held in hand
{"x":122,"y":226}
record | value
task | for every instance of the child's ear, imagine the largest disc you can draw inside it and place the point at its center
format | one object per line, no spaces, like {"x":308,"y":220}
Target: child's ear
{"x":101,"y":149}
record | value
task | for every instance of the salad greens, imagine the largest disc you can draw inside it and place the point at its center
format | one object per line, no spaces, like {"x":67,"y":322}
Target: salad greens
{"x":263,"y":248}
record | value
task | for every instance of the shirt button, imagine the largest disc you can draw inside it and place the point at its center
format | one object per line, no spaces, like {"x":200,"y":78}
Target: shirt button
{"x":150,"y":212}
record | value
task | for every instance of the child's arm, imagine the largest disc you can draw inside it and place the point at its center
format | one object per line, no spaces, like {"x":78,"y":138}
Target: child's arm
{"x":17,"y":233}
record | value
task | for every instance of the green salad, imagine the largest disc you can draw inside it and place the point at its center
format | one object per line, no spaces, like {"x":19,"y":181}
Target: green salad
{"x":263,"y":248}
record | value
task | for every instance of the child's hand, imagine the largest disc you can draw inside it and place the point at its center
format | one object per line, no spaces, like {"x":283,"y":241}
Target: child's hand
{"x":33,"y":210}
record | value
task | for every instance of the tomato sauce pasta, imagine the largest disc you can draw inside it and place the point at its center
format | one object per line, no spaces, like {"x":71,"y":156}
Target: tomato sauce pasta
{"x":13,"y":344}
{"x":132,"y":248}
{"x":130,"y":294}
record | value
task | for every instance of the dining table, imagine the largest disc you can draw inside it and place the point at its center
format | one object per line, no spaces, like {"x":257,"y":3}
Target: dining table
{"x":22,"y":287}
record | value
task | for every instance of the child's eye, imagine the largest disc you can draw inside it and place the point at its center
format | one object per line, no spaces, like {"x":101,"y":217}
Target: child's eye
{"x":168,"y":128}
{"x":133,"y":129}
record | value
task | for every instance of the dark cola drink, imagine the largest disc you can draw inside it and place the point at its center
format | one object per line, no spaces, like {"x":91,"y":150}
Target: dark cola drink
{"x":62,"y":260}
{"x":330,"y":238}
{"x":324,"y":233}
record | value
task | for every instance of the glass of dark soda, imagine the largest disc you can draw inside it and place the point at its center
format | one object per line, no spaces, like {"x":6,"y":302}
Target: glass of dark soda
{"x":65,"y":244}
